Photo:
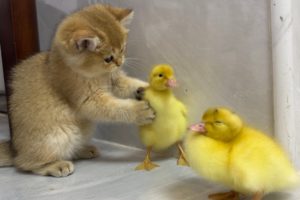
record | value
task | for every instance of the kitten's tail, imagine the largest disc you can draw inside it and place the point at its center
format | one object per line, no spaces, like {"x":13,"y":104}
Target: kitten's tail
{"x":6,"y":157}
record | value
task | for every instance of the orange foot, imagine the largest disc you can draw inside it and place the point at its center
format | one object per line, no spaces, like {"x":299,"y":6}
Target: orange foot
{"x":232,"y":195}
{"x":182,"y":161}
{"x":258,"y":196}
{"x":146,"y":165}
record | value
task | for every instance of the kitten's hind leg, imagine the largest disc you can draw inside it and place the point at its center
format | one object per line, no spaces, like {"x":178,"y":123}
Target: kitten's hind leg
{"x":59,"y":168}
{"x":87,"y":152}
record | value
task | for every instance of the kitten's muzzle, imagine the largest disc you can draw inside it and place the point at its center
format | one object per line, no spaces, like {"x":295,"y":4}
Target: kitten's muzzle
{"x":118,"y":62}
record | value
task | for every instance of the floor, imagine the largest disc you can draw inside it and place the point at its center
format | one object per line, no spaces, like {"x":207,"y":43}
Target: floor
{"x":112,"y":177}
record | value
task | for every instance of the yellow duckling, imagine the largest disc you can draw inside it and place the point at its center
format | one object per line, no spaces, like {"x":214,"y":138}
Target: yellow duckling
{"x":170,"y":123}
{"x":225,"y":150}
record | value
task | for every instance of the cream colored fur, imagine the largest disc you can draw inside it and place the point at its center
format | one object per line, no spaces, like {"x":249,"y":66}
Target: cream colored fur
{"x":59,"y":95}
{"x":5,"y":154}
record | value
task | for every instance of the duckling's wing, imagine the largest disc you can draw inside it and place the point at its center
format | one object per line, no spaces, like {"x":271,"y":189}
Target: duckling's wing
{"x":258,"y":163}
{"x":183,"y":109}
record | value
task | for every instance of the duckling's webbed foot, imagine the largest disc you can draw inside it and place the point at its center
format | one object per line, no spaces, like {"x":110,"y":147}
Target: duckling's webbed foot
{"x":258,"y":196}
{"x":147,"y":164}
{"x":232,"y":195}
{"x":181,"y":161}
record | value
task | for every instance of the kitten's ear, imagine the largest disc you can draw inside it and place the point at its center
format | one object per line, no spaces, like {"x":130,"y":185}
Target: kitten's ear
{"x":127,"y":17}
{"x":88,"y":43}
{"x":123,"y":15}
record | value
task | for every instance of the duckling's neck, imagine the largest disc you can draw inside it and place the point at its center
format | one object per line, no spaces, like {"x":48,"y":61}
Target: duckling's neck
{"x":238,"y":135}
{"x":166,"y":92}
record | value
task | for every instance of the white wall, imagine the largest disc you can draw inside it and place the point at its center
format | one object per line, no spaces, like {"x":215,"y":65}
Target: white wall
{"x":286,"y":65}
{"x":221,"y":51}
{"x":296,"y":50}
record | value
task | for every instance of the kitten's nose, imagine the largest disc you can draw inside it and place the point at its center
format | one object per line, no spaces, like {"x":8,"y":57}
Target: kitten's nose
{"x":118,"y":62}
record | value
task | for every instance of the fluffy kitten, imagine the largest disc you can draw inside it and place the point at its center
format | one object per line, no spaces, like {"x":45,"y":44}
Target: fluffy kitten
{"x":58,"y":95}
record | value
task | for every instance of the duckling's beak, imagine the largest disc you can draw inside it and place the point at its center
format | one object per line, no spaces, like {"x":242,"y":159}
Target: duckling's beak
{"x":198,"y":128}
{"x":171,"y":83}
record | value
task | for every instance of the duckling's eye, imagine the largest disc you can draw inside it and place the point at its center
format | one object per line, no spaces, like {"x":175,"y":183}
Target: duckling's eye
{"x":218,"y":122}
{"x":160,"y":75}
{"x":109,"y":59}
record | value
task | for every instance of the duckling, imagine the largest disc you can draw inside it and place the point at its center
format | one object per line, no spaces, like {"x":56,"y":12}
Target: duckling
{"x":224,"y":149}
{"x":170,"y":123}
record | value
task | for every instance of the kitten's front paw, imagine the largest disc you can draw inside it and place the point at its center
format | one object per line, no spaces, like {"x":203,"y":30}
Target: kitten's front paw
{"x":144,"y":113}
{"x":59,"y":168}
{"x":139,"y":94}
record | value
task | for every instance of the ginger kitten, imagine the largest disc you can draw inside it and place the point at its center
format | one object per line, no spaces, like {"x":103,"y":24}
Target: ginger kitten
{"x":59,"y":95}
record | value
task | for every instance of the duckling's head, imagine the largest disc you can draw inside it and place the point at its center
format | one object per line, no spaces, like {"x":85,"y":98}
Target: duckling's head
{"x":221,"y":124}
{"x":162,"y":77}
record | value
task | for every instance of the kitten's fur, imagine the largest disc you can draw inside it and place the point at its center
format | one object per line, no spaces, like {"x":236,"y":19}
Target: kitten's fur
{"x":58,"y":95}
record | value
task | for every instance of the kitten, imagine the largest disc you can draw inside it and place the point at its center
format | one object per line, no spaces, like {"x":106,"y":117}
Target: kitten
{"x":59,"y":95}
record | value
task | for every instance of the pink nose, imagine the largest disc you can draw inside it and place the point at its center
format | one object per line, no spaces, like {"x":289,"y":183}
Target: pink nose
{"x":118,"y":62}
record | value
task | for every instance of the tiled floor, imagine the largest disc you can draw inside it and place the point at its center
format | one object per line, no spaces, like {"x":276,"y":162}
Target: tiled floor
{"x":111,"y":177}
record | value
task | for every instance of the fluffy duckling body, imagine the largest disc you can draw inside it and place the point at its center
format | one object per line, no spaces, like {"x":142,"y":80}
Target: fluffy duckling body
{"x":170,"y":123}
{"x":228,"y":152}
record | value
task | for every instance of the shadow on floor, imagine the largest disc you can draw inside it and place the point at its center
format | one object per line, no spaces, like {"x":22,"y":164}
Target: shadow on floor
{"x":197,"y":188}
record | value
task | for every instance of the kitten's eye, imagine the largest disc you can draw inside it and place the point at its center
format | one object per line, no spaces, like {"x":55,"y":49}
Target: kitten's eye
{"x":109,"y":59}
{"x":122,"y":50}
{"x":160,"y":75}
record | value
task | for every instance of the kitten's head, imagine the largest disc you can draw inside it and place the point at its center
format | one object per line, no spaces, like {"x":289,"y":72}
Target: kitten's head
{"x":92,"y":41}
